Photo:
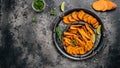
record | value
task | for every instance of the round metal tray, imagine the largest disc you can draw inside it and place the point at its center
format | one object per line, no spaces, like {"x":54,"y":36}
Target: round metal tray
{"x":99,"y":44}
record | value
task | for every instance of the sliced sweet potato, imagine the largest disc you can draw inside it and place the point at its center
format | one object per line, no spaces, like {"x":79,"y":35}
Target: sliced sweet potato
{"x":81,"y":14}
{"x":69,"y":49}
{"x":89,"y":29}
{"x":98,"y":5}
{"x":96,"y":25}
{"x":71,"y":19}
{"x":89,"y":19}
{"x":79,"y":41}
{"x":111,"y":5}
{"x":75,"y":15}
{"x":76,"y":26}
{"x":72,"y":27}
{"x":74,"y":31}
{"x":68,"y":34}
{"x":82,"y":32}
{"x":81,"y":50}
{"x":85,"y":18}
{"x":86,"y":31}
{"x":93,"y":20}
{"x":103,"y":5}
{"x":66,"y":20}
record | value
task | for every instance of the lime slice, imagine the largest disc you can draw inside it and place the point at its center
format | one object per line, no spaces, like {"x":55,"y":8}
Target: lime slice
{"x":99,"y":29}
{"x":93,"y":38}
{"x":62,"y":6}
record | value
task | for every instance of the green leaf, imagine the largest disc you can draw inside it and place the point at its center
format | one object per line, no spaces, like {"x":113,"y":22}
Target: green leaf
{"x":33,"y":19}
{"x":59,"y":33}
{"x":53,"y":12}
{"x":74,"y":42}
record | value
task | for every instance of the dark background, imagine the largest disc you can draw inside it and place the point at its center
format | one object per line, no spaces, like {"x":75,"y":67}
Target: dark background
{"x":26,"y":44}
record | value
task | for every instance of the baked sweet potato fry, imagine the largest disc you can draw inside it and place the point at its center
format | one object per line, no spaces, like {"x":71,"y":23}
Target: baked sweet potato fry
{"x":71,"y":19}
{"x":75,"y":15}
{"x":89,"y":29}
{"x":68,"y":34}
{"x":82,"y":32}
{"x":66,"y":20}
{"x":81,"y":14}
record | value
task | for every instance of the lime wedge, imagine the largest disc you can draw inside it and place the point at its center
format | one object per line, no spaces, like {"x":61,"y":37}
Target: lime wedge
{"x":93,"y":38}
{"x":99,"y":29}
{"x":62,"y":6}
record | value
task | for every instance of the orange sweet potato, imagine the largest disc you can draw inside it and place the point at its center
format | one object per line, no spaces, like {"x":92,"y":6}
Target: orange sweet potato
{"x":66,"y":20}
{"x":103,"y":5}
{"x":75,"y":15}
{"x":71,"y":19}
{"x":81,"y":14}
{"x":89,"y":29}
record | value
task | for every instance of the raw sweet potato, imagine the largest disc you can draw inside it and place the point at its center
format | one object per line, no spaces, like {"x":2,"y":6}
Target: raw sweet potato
{"x":103,"y":5}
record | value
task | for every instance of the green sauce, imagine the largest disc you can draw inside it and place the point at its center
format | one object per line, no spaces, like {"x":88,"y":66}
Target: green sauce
{"x":38,"y":4}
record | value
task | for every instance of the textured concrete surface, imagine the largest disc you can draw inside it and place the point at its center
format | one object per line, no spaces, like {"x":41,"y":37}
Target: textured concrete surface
{"x":26,"y":44}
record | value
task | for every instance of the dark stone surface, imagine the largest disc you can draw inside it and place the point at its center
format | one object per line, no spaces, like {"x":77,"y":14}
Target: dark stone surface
{"x":24,"y":44}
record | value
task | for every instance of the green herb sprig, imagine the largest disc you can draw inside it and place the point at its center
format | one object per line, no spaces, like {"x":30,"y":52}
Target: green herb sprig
{"x":59,"y":33}
{"x":53,"y":12}
{"x":74,"y":42}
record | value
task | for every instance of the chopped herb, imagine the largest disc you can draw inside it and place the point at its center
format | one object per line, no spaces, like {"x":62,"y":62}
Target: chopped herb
{"x":59,"y":33}
{"x":52,"y":12}
{"x":33,"y":19}
{"x":74,"y":42}
{"x":38,"y":4}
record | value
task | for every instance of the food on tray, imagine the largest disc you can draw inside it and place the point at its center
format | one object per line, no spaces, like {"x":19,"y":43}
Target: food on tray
{"x":80,"y":16}
{"x":103,"y":5}
{"x":78,"y":39}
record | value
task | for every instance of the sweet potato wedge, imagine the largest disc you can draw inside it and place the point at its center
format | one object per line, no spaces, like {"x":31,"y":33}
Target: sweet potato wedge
{"x":66,"y":20}
{"x":89,"y":29}
{"x":71,"y":19}
{"x":75,"y":15}
{"x":81,"y":14}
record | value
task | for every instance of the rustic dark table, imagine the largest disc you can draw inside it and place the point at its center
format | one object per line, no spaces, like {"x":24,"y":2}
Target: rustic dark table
{"x":26,"y":44}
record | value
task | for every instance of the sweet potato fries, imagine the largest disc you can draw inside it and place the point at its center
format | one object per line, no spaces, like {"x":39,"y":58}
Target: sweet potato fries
{"x":80,"y":16}
{"x":77,"y":39}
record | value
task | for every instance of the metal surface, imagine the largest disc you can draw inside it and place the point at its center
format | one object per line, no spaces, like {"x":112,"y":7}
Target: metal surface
{"x":26,"y":44}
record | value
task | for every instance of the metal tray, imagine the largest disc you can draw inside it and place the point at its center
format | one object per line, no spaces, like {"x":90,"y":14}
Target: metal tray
{"x":99,"y":44}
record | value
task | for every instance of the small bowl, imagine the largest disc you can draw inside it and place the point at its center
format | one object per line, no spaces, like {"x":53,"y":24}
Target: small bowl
{"x":36,"y":9}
